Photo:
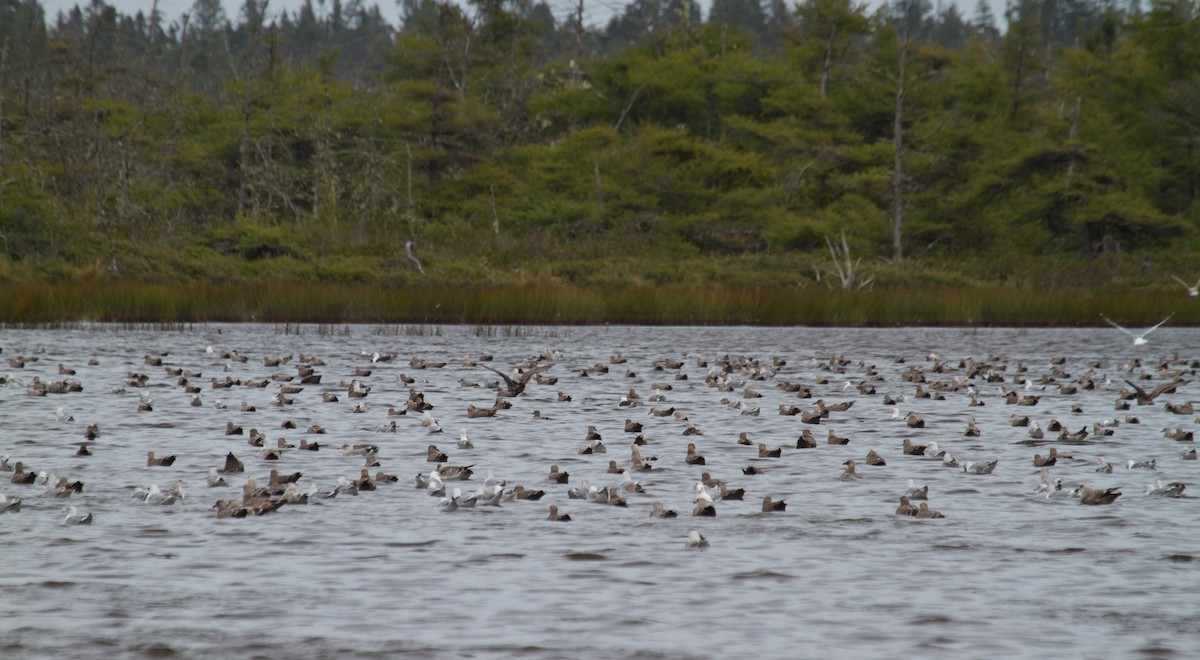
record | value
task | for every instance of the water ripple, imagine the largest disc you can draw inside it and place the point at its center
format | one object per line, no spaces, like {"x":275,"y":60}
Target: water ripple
{"x":387,"y":573}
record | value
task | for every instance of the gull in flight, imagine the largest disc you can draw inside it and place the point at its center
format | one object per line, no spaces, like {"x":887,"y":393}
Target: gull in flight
{"x":1138,"y":340}
{"x":1193,"y":291}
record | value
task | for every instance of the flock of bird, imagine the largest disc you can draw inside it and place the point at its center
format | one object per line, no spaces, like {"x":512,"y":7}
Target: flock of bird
{"x":653,"y":419}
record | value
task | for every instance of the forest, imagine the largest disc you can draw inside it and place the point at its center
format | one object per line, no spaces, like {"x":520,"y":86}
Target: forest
{"x":811,"y":144}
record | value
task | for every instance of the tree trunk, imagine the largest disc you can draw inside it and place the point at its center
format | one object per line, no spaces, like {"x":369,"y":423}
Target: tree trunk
{"x":898,"y":145}
{"x":3,"y":81}
{"x":828,"y":63}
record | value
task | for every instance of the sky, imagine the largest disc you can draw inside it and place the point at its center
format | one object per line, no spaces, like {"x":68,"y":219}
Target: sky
{"x":596,"y":12}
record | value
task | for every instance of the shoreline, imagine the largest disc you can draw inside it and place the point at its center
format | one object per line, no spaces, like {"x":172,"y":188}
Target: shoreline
{"x":44,"y":304}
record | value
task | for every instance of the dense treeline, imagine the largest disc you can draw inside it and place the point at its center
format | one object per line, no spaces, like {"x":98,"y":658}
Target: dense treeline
{"x":769,"y":142}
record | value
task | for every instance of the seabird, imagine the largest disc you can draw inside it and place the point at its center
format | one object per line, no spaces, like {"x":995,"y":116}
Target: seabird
{"x":659,"y":511}
{"x":581,"y":491}
{"x":426,"y":481}
{"x":971,"y":467}
{"x":215,"y":480}
{"x":463,"y":441}
{"x":73,"y":517}
{"x":1173,"y":489}
{"x":157,"y":496}
{"x":873,"y":458}
{"x":629,"y":485}
{"x":763,"y":452}
{"x":916,"y":493}
{"x":696,"y":540}
{"x":555,"y":515}
{"x":770,"y":505}
{"x":704,"y":506}
{"x":63,"y":487}
{"x":906,"y":507}
{"x":1105,"y":466}
{"x":9,"y":504}
{"x":474,"y":412}
{"x":164,"y":461}
{"x":1138,"y":340}
{"x":638,"y":461}
{"x":494,"y":498}
{"x":692,"y":457}
{"x":520,"y":493}
{"x":723,"y":491}
{"x":805,"y":441}
{"x":913,"y":450}
{"x":1046,"y":461}
{"x":849,"y":473}
{"x":614,"y":498}
{"x":1151,"y":464}
{"x":450,"y":503}
{"x":594,"y":448}
{"x":1193,"y":291}
{"x":385,"y":477}
{"x":432,"y":455}
{"x":1178,"y":434}
{"x":558,"y":477}
{"x":924,"y":511}
{"x":1089,"y":495}
{"x":365,"y":480}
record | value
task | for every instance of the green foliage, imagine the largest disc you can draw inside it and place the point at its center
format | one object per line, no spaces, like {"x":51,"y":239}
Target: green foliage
{"x":255,"y":242}
{"x":509,"y":148}
{"x":25,"y":216}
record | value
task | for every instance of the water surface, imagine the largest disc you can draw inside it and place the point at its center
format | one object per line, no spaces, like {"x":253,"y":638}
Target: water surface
{"x":387,"y":573}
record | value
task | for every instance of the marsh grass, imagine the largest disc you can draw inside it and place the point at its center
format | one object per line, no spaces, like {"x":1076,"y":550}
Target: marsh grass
{"x":512,"y":311}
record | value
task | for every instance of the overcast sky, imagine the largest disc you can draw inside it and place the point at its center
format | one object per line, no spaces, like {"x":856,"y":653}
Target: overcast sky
{"x":597,"y":12}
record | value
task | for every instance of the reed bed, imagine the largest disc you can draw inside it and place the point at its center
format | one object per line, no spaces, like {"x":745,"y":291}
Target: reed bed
{"x":509,"y":310}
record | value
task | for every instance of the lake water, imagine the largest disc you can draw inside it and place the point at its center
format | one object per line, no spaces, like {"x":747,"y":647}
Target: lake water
{"x":387,"y":573}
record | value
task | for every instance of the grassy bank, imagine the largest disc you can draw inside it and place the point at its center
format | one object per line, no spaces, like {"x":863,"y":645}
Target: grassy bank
{"x":41,"y":303}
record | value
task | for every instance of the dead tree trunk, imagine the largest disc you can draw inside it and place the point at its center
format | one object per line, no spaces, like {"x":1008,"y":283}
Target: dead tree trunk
{"x":898,"y":143}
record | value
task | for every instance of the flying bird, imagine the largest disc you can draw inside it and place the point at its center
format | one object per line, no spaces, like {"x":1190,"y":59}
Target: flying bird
{"x":1193,"y":291}
{"x":1138,"y":340}
{"x":517,"y":386}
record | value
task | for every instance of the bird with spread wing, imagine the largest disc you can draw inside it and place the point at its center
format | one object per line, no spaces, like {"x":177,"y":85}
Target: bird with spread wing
{"x":1138,"y":340}
{"x":517,"y":386}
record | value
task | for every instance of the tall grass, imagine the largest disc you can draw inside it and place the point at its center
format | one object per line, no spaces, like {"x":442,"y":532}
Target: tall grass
{"x":412,"y":309}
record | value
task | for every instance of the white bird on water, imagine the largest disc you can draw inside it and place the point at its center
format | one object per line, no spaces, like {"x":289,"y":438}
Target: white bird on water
{"x":1173,"y":489}
{"x":1138,"y":340}
{"x":463,"y":441}
{"x":73,"y":517}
